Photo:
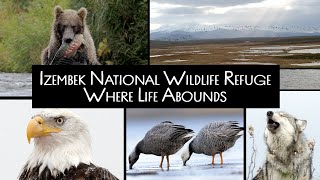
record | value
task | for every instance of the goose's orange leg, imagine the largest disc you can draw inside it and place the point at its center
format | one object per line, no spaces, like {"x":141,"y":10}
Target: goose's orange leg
{"x":221,"y":159}
{"x":168,"y":163}
{"x":212,"y":158}
{"x":162,"y":157}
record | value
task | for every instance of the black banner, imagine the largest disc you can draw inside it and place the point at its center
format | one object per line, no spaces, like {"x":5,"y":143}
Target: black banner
{"x":238,"y":86}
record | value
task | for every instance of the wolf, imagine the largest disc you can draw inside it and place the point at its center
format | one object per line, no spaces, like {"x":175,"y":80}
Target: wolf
{"x":289,"y":153}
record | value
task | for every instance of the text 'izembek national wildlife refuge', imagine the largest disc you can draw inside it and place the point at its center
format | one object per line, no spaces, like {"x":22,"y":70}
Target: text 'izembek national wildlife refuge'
{"x":164,"y":79}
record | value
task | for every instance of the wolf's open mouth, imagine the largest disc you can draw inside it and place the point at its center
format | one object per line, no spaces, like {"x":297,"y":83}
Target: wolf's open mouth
{"x":272,"y":125}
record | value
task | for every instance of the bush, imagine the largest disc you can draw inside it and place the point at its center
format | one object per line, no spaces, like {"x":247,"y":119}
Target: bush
{"x":119,"y":28}
{"x":25,"y":32}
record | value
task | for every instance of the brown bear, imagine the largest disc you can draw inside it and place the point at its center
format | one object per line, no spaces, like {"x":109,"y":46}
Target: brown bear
{"x":67,"y":25}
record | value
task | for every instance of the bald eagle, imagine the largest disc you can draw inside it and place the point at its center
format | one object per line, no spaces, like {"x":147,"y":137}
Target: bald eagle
{"x":62,"y":149}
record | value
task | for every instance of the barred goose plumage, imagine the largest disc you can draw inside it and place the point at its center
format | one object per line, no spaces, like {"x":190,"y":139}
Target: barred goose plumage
{"x":162,"y":140}
{"x":214,"y":138}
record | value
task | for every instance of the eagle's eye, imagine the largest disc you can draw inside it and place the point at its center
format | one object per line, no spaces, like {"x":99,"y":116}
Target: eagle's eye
{"x":59,"y":120}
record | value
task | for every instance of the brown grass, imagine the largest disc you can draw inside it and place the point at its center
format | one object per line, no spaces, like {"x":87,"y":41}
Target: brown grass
{"x":223,"y":51}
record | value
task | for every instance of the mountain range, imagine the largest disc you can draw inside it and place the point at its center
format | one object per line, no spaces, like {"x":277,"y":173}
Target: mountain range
{"x":221,"y":33}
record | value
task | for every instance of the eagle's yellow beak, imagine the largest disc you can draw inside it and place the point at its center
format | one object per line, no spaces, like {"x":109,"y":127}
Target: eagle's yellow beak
{"x":37,"y":127}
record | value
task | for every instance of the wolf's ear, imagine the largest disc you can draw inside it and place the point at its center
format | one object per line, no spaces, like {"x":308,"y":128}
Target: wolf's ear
{"x":302,"y":124}
{"x":82,"y":12}
{"x":57,"y":10}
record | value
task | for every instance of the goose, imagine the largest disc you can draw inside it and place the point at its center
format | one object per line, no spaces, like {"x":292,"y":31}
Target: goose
{"x":214,"y":138}
{"x":163,"y":139}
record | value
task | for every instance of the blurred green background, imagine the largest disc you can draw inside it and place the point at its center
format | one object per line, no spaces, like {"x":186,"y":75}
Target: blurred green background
{"x":119,"y":29}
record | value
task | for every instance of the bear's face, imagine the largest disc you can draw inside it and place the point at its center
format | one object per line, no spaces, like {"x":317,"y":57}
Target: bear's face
{"x":68,"y":23}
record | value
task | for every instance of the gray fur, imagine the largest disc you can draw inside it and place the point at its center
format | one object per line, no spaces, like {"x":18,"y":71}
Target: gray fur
{"x":289,"y":154}
{"x":215,"y":137}
{"x":163,"y":139}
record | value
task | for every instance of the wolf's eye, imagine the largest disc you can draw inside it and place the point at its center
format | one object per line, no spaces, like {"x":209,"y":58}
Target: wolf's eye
{"x":59,"y":120}
{"x":281,"y":114}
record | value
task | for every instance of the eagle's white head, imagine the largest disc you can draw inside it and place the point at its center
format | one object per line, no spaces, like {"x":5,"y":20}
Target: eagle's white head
{"x":61,"y":140}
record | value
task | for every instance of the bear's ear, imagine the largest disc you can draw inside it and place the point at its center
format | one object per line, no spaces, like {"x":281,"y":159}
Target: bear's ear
{"x":82,"y":12}
{"x":58,"y":10}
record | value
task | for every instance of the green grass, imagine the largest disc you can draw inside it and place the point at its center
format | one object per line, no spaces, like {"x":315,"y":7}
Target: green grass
{"x":25,"y":32}
{"x":119,"y":29}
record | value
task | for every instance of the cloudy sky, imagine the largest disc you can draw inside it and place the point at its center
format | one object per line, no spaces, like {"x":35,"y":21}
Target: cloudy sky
{"x":235,"y":13}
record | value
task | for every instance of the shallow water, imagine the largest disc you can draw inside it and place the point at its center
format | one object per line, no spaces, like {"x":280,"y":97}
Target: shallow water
{"x":204,"y":53}
{"x":198,"y":167}
{"x":317,"y":63}
{"x":305,"y":51}
{"x":256,"y":51}
{"x":175,"y":60}
{"x":254,"y":63}
{"x":15,"y":84}
{"x":299,"y":79}
{"x":283,"y":47}
{"x":152,"y":56}
{"x":197,"y":51}
{"x":284,"y":50}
